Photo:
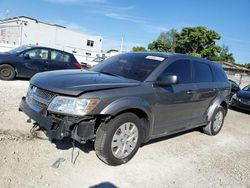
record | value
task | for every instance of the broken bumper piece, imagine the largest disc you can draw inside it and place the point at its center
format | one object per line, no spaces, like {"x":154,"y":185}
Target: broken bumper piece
{"x":79,"y":129}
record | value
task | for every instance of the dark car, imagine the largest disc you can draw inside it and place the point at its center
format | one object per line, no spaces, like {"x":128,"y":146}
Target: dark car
{"x":234,"y":88}
{"x":241,"y":99}
{"x":26,"y":61}
{"x":128,"y":100}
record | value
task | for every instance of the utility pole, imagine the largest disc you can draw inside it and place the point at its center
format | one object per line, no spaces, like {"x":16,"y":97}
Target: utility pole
{"x":121,"y":47}
{"x":6,"y":14}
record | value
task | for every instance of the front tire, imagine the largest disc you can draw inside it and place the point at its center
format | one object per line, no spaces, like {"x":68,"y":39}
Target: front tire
{"x":7,"y":72}
{"x":118,"y":140}
{"x":214,"y":127}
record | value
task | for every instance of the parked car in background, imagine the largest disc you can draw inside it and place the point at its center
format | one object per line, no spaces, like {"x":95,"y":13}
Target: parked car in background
{"x":241,"y":99}
{"x":128,"y":100}
{"x":25,"y":61}
{"x":96,"y":61}
{"x":234,"y":88}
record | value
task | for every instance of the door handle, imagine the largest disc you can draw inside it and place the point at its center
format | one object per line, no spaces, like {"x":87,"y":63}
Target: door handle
{"x":191,"y":92}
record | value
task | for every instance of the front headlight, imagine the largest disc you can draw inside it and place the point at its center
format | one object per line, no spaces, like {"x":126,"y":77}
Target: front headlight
{"x":72,"y":106}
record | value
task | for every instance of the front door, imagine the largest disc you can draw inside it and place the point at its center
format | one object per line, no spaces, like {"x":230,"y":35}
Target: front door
{"x":174,"y":108}
{"x":33,"y":61}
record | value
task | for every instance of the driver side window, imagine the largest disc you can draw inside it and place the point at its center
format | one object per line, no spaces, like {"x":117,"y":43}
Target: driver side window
{"x":180,"y":68}
{"x":37,"y":54}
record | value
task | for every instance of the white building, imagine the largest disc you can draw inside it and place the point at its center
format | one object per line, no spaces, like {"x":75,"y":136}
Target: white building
{"x":23,"y":30}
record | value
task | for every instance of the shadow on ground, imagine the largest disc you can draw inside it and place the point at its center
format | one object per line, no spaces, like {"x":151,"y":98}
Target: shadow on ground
{"x":239,"y":110}
{"x":67,"y":143}
{"x":164,"y":138}
{"x":104,"y":185}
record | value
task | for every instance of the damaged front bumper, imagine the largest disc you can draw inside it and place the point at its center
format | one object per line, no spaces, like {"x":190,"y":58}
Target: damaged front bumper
{"x":58,"y":127}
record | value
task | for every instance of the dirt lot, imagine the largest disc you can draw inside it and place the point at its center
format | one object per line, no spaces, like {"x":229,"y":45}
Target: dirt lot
{"x":187,"y":160}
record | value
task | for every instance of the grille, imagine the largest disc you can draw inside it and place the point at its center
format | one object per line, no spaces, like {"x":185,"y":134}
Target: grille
{"x":44,"y":94}
{"x":37,"y":103}
{"x":39,"y":98}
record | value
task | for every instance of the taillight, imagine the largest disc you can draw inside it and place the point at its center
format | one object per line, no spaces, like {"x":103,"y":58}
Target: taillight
{"x":78,"y":65}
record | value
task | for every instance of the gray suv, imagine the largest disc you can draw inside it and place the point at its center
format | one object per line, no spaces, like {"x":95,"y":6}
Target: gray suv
{"x":128,"y":100}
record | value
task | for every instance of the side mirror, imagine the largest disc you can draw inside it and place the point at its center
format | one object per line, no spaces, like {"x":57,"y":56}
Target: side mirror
{"x":167,"y":80}
{"x":26,"y":56}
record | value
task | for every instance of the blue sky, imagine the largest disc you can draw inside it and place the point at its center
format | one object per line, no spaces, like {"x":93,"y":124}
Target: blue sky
{"x":139,"y":22}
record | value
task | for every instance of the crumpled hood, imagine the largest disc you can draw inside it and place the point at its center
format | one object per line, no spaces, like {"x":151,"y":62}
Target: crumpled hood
{"x":243,"y":94}
{"x":76,"y":82}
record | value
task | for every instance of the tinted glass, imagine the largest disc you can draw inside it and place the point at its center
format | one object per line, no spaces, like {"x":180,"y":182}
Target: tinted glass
{"x":219,"y":74}
{"x":59,"y":56}
{"x":247,"y":88}
{"x":19,"y":49}
{"x":202,"y":72}
{"x":38,"y":54}
{"x":233,"y":84}
{"x":136,"y":66}
{"x":181,"y":69}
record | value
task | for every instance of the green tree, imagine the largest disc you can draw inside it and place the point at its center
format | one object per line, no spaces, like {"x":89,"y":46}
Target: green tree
{"x":164,"y":43}
{"x":225,"y":55}
{"x":198,"y":41}
{"x":139,"y":49}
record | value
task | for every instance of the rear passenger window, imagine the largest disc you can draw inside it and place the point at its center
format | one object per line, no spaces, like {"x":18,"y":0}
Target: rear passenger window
{"x":219,"y":74}
{"x":202,"y":72}
{"x":59,"y":56}
{"x":180,"y":68}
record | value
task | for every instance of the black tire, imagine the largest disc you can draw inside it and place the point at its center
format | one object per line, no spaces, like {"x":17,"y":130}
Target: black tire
{"x":7,"y":72}
{"x":104,"y":136}
{"x":210,"y":128}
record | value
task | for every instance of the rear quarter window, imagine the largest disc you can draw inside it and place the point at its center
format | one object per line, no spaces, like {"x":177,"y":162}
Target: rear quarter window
{"x":219,"y":74}
{"x":202,"y":72}
{"x":59,"y":56}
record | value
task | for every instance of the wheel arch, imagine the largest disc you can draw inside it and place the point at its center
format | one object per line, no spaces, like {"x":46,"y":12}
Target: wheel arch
{"x":134,"y":105}
{"x":219,"y":101}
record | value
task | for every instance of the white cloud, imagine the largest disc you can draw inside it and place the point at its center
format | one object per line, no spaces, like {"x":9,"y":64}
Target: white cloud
{"x":125,"y":17}
{"x":76,"y":1}
{"x":145,"y":24}
{"x":131,"y":7}
{"x":72,"y":26}
{"x":155,"y":28}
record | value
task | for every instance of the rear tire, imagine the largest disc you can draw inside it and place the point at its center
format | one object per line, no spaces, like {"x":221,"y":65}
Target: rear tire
{"x":118,"y":140}
{"x":7,"y":72}
{"x":216,"y":123}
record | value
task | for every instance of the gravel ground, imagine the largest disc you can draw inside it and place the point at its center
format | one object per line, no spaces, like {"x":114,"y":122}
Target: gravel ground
{"x":190,"y":159}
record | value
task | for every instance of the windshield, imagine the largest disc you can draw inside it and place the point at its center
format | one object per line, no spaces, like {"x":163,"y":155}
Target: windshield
{"x":136,"y":66}
{"x":19,"y":49}
{"x":247,"y":88}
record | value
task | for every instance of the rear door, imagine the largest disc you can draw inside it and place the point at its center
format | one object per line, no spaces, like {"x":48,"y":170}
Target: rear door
{"x":58,"y":60}
{"x":33,"y":61}
{"x":175,"y":103}
{"x":206,"y":90}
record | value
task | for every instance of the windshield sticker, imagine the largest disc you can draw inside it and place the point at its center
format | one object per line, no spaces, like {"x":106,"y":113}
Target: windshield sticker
{"x":156,"y":58}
